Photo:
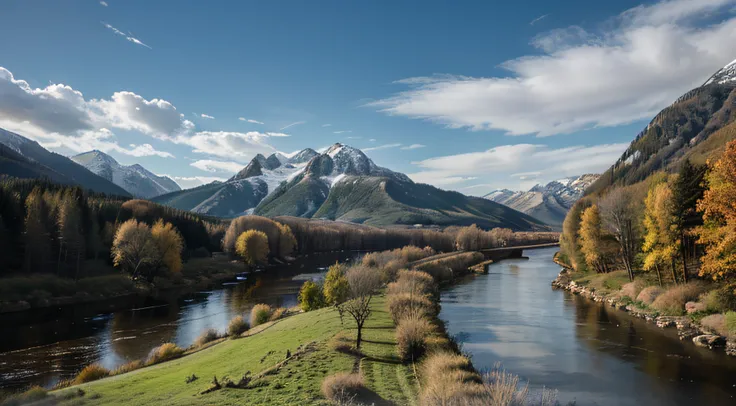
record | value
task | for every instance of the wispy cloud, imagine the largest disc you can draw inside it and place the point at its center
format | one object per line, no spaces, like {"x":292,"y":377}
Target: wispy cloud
{"x":250,"y":120}
{"x":292,"y":124}
{"x":326,"y":125}
{"x":355,"y":137}
{"x":206,"y":116}
{"x":209,"y":165}
{"x":414,"y":146}
{"x":129,"y":37}
{"x":627,"y":70}
{"x":342,"y":131}
{"x":103,"y":3}
{"x":372,"y":140}
{"x":384,"y":146}
{"x":538,"y":19}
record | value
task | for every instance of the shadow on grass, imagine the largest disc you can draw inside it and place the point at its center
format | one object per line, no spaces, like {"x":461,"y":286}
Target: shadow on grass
{"x":379,"y":342}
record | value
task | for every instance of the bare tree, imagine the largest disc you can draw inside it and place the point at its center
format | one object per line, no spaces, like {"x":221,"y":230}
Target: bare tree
{"x":363,"y":282}
{"x":620,"y":216}
{"x":134,"y":247}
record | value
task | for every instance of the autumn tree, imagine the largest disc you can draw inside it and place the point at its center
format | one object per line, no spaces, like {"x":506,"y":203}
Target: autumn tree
{"x":133,"y":248}
{"x":661,"y":238}
{"x":336,"y":288}
{"x":169,"y":244}
{"x":569,"y":240}
{"x":620,"y":217}
{"x":310,"y":296}
{"x":593,"y":242}
{"x":718,"y":206}
{"x":252,"y":247}
{"x":363,"y":282}
{"x":287,"y":242}
{"x":688,"y":188}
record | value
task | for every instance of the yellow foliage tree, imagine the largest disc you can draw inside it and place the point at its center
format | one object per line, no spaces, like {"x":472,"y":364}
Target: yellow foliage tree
{"x":718,"y":206}
{"x":133,"y":248}
{"x":287,"y":241}
{"x":170,"y":244}
{"x":591,"y":239}
{"x":662,"y":239}
{"x":252,"y":246}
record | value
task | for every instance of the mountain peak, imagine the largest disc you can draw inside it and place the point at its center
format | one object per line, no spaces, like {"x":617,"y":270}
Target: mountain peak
{"x":724,"y":75}
{"x":254,"y":168}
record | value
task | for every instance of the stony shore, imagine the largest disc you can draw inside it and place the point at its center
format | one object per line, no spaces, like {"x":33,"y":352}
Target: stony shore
{"x":687,"y":329}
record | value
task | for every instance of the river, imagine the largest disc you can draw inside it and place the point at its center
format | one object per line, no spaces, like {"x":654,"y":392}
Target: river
{"x":591,"y":354}
{"x":43,"y":346}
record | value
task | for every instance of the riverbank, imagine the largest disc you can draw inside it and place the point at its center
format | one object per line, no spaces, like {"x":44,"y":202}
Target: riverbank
{"x":688,"y":327}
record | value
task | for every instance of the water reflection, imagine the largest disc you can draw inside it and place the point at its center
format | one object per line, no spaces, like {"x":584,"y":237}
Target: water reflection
{"x":44,"y":346}
{"x":594,"y":355}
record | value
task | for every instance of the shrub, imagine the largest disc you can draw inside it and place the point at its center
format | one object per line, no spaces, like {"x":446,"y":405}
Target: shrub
{"x":130,"y":366}
{"x":610,"y":282}
{"x":91,"y":373}
{"x":336,"y":288}
{"x":342,"y":387}
{"x":279,"y":313}
{"x":720,"y":300}
{"x":404,"y":305}
{"x":411,"y":336}
{"x":207,"y":336}
{"x":413,"y":282}
{"x":672,"y":302}
{"x":632,"y":289}
{"x":649,"y":294}
{"x":449,"y":379}
{"x":310,"y":296}
{"x":731,"y":323}
{"x":716,"y":323}
{"x":444,"y":268}
{"x":34,"y":394}
{"x":237,"y":326}
{"x":391,"y":270}
{"x":260,"y":314}
{"x":164,"y":352}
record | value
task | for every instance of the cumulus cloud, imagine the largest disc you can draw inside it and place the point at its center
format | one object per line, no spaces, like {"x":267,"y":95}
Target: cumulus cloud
{"x":130,"y":37}
{"x":384,"y":146}
{"x":641,"y":62}
{"x":208,"y":165}
{"x":206,"y":116}
{"x":517,"y":166}
{"x":414,"y":146}
{"x":250,"y":120}
{"x":292,"y":124}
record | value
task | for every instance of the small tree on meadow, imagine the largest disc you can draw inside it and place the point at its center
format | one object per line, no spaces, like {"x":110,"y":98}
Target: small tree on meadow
{"x":310,"y":296}
{"x":252,"y":247}
{"x":133,"y":248}
{"x":363,"y":282}
{"x":169,"y":243}
{"x":336,"y":288}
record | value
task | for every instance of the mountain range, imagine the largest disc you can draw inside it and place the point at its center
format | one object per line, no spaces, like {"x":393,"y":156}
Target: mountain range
{"x":343,"y":184}
{"x":135,"y":179}
{"x":549,"y":203}
{"x":23,"y":158}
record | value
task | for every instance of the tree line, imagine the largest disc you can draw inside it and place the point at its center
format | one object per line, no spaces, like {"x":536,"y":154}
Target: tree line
{"x":676,"y":226}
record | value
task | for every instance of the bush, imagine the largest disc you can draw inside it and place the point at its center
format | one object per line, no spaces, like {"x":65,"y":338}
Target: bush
{"x":34,"y":394}
{"x":342,"y":387}
{"x":164,"y":352}
{"x":237,"y":326}
{"x":672,"y":302}
{"x":449,"y":379}
{"x":632,"y":289}
{"x":610,"y":282}
{"x":404,"y":305}
{"x":207,"y":336}
{"x":336,"y":288}
{"x":720,"y":300}
{"x":444,"y":268}
{"x":731,"y":323}
{"x":91,"y":373}
{"x":311,"y":297}
{"x":279,"y":313}
{"x":130,"y":366}
{"x":649,"y":294}
{"x":413,"y":282}
{"x":260,"y":314}
{"x":411,"y":337}
{"x":715,"y":323}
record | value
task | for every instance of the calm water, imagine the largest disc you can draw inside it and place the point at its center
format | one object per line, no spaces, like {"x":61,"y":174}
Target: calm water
{"x":41,"y":347}
{"x":591,"y":354}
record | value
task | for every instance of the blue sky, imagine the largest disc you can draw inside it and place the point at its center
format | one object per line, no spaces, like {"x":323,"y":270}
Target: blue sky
{"x":470,"y":96}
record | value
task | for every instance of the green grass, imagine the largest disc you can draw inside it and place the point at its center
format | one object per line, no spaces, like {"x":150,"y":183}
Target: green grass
{"x":294,"y":382}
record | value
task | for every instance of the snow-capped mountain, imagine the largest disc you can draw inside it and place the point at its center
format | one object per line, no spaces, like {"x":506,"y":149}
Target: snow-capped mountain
{"x":548,"y":203}
{"x":725,"y":75}
{"x":135,"y":179}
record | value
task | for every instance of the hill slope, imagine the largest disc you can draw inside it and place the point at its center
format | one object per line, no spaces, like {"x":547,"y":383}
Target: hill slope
{"x":28,"y":159}
{"x":135,"y":179}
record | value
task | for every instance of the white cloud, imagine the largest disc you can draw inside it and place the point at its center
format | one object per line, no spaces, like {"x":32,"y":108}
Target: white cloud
{"x":372,"y":140}
{"x":228,"y":144}
{"x":148,"y":150}
{"x":646,"y":58}
{"x":414,"y":146}
{"x":291,"y":125}
{"x":206,"y":116}
{"x":326,"y":125}
{"x":385,"y":146}
{"x":342,"y":131}
{"x":250,"y":120}
{"x":103,"y":3}
{"x":208,"y":165}
{"x":130,"y":37}
{"x":538,"y":19}
{"x":515,"y":166}
{"x":188,"y":182}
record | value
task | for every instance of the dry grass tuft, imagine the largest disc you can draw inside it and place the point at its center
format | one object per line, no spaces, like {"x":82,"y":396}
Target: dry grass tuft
{"x":411,"y":337}
{"x":632,"y":289}
{"x":91,"y":373}
{"x":649,"y":294}
{"x":260,"y":314}
{"x":130,"y":366}
{"x":207,"y":336}
{"x":279,"y":313}
{"x":413,"y":282}
{"x":405,"y":305}
{"x":237,"y":326}
{"x":715,"y":323}
{"x":672,"y":302}
{"x":342,"y":387}
{"x":164,"y":352}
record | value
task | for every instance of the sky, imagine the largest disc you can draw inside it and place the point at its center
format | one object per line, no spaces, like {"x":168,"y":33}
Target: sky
{"x":469,"y":96}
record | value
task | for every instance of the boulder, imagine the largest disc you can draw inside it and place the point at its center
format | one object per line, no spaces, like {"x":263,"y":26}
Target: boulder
{"x":709,"y":341}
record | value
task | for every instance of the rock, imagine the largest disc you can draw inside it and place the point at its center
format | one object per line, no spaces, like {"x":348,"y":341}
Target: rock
{"x":731,"y":348}
{"x":694,"y":307}
{"x":709,"y":341}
